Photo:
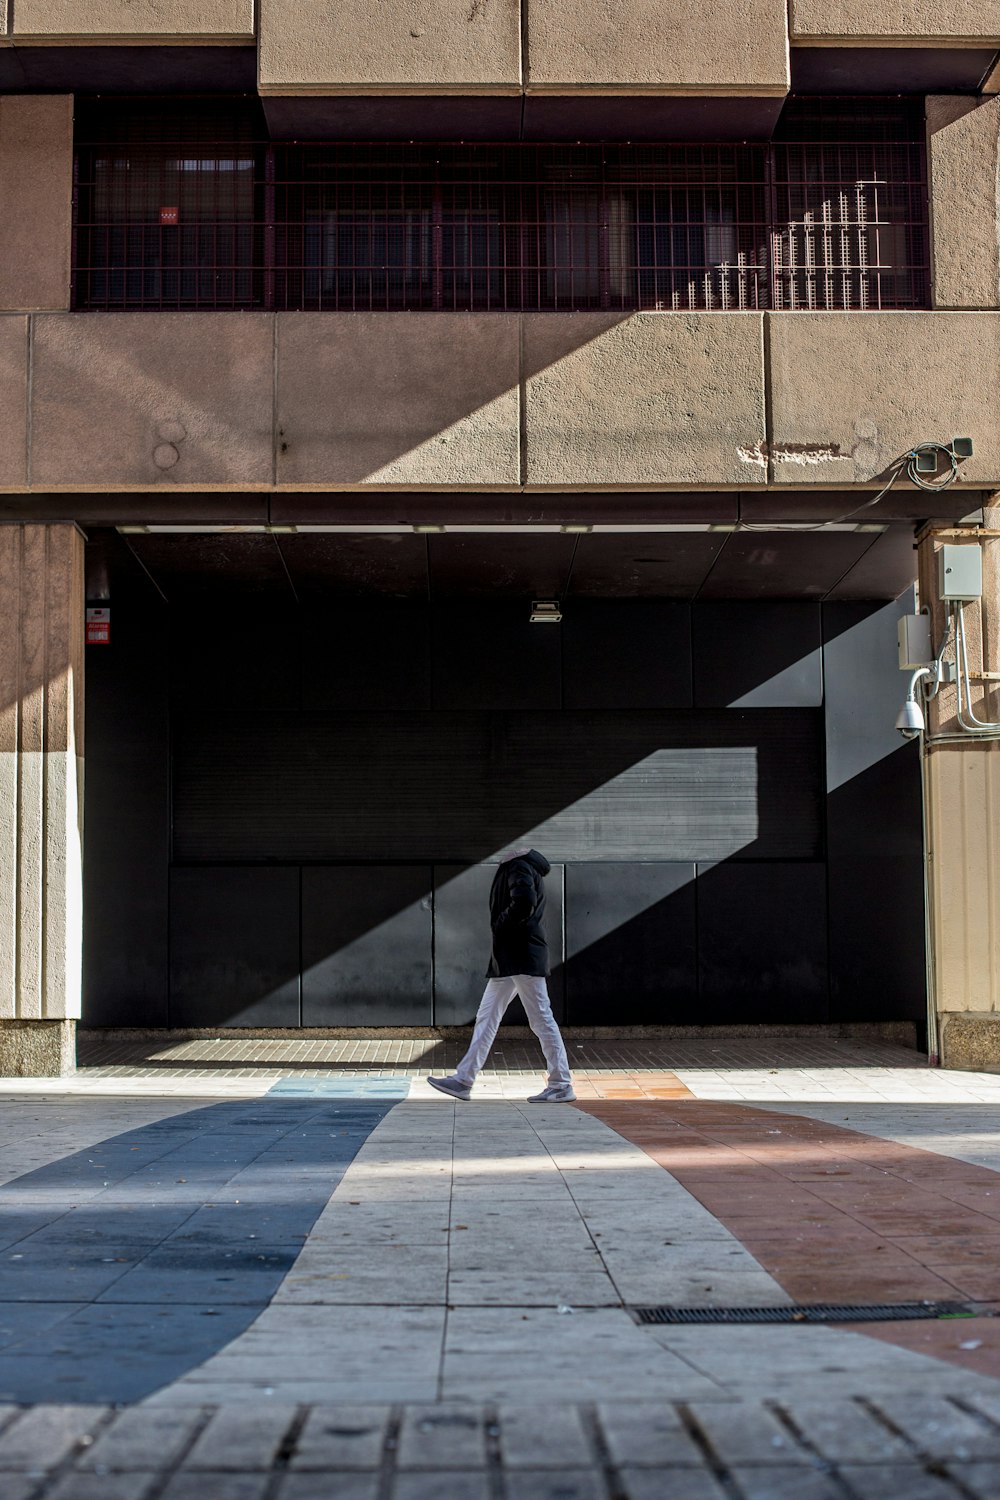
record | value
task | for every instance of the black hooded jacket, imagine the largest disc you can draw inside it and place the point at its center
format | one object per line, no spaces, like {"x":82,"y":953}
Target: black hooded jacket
{"x":517,"y":909}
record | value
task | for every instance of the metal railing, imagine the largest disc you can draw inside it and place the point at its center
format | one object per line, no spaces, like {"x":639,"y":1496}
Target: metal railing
{"x":191,"y":210}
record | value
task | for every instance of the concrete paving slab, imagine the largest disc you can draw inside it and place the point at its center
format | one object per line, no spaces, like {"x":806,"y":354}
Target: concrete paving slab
{"x":333,"y":1440}
{"x":542,"y":1437}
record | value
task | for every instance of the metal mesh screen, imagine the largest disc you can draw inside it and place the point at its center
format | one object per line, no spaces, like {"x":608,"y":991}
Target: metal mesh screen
{"x":190,"y":209}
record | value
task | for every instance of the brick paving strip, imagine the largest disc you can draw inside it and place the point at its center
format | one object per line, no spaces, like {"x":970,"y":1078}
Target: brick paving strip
{"x":925,"y":1448}
{"x":837,"y":1216}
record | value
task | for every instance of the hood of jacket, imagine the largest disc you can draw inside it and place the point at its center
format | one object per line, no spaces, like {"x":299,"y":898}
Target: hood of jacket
{"x":531,"y":857}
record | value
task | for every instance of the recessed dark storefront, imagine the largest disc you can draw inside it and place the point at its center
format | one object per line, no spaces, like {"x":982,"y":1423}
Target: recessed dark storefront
{"x":296,"y":784}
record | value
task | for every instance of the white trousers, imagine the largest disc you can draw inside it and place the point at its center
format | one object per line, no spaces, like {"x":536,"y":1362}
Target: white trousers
{"x":497,"y":996}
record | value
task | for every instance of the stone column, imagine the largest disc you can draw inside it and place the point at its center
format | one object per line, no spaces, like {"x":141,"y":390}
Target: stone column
{"x":41,"y":765}
{"x":962,"y":798}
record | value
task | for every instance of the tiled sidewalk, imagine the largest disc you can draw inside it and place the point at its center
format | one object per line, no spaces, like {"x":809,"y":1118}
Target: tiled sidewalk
{"x":338,"y":1285}
{"x":926,"y":1449}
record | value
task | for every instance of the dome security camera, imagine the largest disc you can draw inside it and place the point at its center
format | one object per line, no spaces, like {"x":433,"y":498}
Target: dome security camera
{"x":910,"y":719}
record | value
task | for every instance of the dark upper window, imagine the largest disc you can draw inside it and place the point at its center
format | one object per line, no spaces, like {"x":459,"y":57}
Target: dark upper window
{"x":185,"y":206}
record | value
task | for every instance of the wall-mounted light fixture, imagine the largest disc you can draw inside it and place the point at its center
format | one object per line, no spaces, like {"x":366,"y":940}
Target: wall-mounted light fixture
{"x":545,"y":612}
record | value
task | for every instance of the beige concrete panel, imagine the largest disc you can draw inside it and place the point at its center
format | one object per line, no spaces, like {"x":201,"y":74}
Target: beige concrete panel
{"x":323,"y":46}
{"x":674,"y":399}
{"x":740,"y":47}
{"x":963,"y":153}
{"x":894,"y":20}
{"x":963,"y":803}
{"x":407,"y":398}
{"x":138,"y":400}
{"x":13,"y":401}
{"x":171,"y":19}
{"x":36,"y":200}
{"x":852,"y":393}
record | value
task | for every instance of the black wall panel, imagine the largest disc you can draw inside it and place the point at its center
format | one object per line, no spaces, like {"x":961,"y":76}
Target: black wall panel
{"x":631,"y":944}
{"x":579,"y":786}
{"x":462,"y":942}
{"x":126,"y":846}
{"x":233,"y":658}
{"x":366,"y":656}
{"x":234,"y":947}
{"x":366,"y":946}
{"x":626,"y":654}
{"x":874,"y":840}
{"x":762,"y":943}
{"x":490,"y":656}
{"x":767,"y":649}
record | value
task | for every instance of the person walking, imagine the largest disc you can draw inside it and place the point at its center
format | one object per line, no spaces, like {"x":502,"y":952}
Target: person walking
{"x":519,"y":964}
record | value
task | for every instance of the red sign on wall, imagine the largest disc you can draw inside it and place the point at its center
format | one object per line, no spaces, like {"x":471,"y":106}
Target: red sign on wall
{"x":170,"y":215}
{"x":99,"y":626}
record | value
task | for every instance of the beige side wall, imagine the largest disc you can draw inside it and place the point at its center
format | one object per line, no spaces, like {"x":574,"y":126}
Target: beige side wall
{"x":963,"y":153}
{"x":102,"y":20}
{"x":36,"y":200}
{"x":41,"y":750}
{"x":354,"y":46}
{"x":739,"y":48}
{"x":852,"y":393}
{"x":895,"y":20}
{"x":962,"y":781}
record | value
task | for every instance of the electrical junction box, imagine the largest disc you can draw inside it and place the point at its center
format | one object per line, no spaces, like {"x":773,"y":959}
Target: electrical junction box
{"x":914,"y":636}
{"x":960,"y":572}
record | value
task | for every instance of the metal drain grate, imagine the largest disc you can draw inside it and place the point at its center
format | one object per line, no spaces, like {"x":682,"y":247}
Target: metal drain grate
{"x":817,"y":1312}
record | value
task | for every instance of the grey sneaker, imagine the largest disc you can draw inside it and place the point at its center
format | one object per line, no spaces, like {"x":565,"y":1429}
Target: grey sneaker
{"x":453,"y":1087}
{"x":556,"y":1093}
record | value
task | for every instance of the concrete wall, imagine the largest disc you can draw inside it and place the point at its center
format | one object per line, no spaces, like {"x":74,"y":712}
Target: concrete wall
{"x":852,"y":393}
{"x":684,"y":47}
{"x":643,"y":400}
{"x":318,"y":400}
{"x":106,"y":20}
{"x":475,"y":46}
{"x":124,"y":401}
{"x":963,"y":153}
{"x":894,"y":20}
{"x":311,"y":46}
{"x":41,"y":750}
{"x":36,"y":200}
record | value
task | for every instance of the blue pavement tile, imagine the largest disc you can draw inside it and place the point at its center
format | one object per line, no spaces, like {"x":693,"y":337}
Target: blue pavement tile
{"x":17,"y":1223}
{"x":30,"y":1319}
{"x":208,"y":1274}
{"x":175,"y":1236}
{"x":63,"y":1272}
{"x":115,"y":1355}
{"x":238,"y":1223}
{"x":122,"y":1221}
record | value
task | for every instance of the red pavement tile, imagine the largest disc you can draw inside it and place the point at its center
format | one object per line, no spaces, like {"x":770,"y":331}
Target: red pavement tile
{"x":833,"y":1215}
{"x":944,"y":1339}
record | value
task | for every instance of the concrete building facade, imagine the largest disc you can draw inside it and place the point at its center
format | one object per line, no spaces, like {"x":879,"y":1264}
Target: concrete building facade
{"x":331,"y":340}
